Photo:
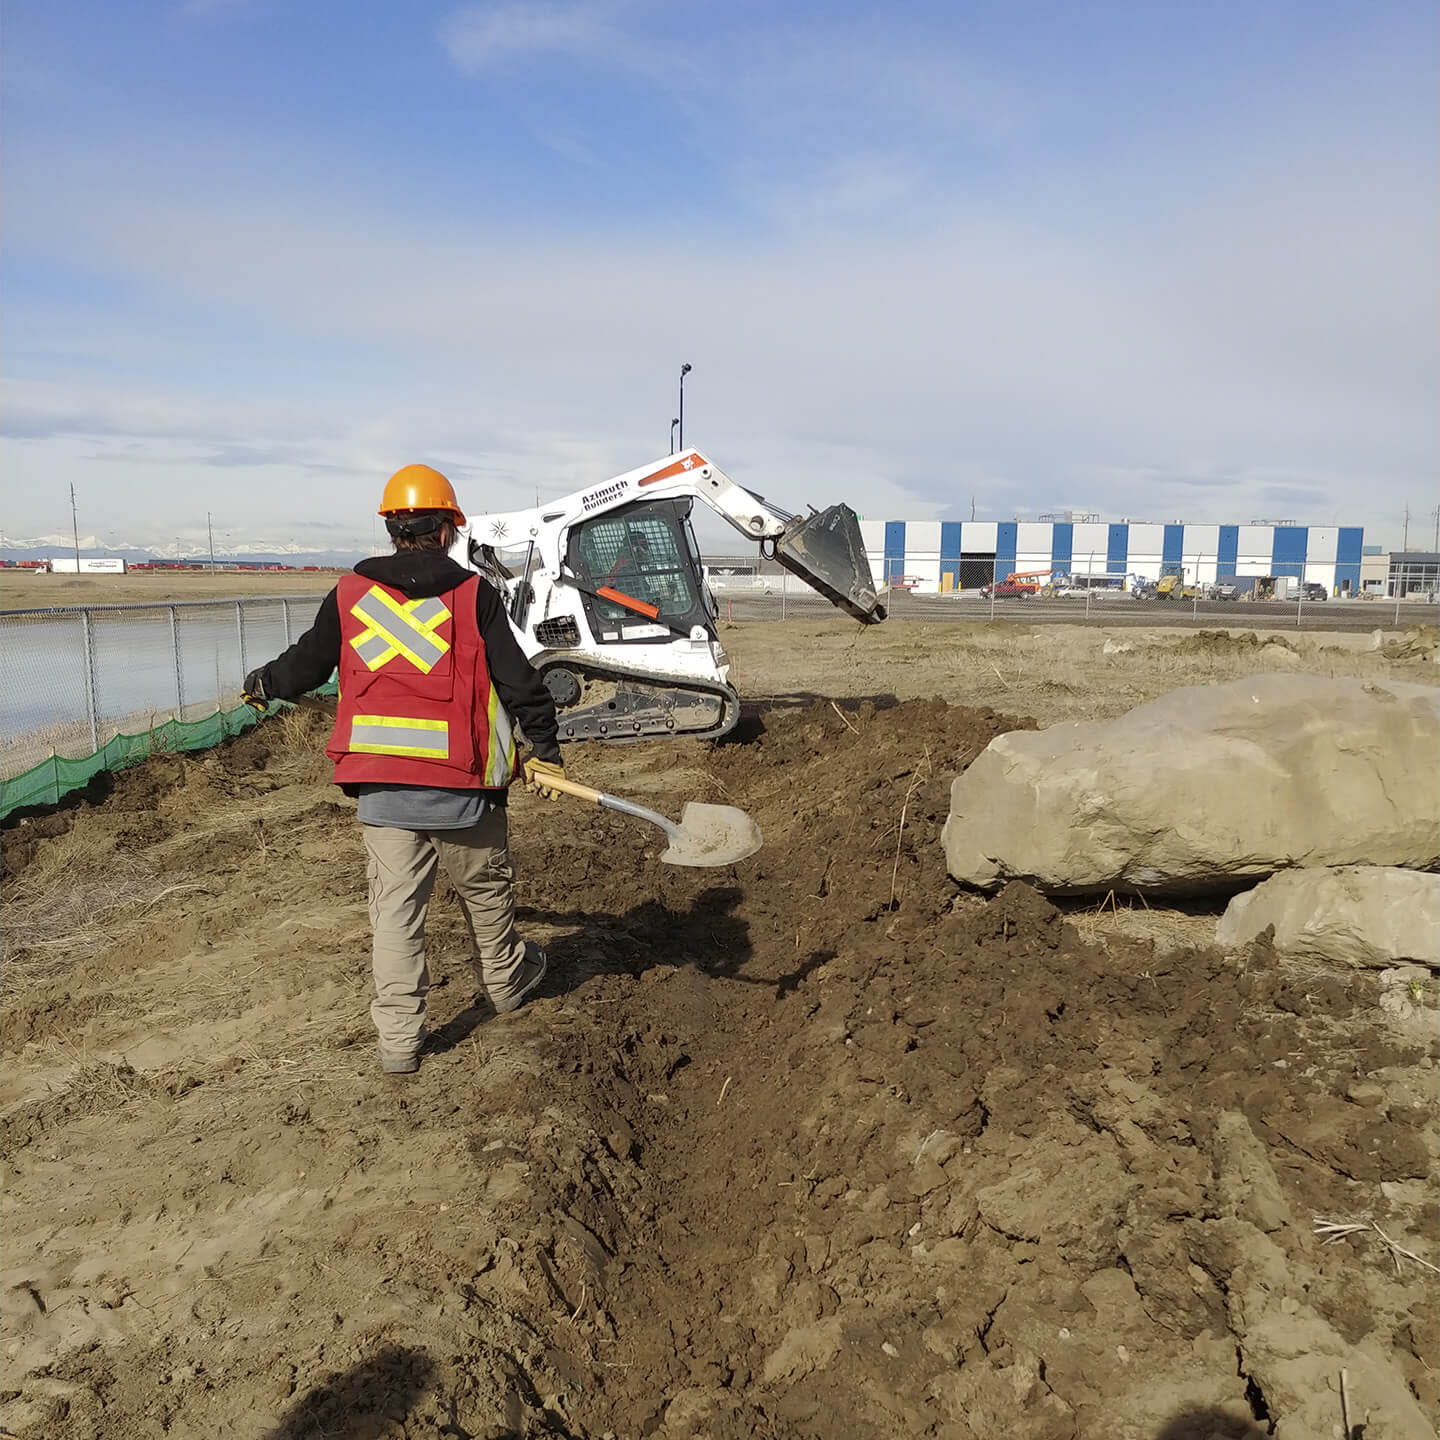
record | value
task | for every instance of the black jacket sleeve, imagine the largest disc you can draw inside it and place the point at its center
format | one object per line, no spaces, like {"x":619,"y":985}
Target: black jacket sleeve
{"x":310,"y":660}
{"x":517,"y":682}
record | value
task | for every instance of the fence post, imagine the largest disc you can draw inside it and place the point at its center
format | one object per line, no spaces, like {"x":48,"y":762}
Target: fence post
{"x":285,"y":615}
{"x":90,"y":706}
{"x":240,"y":632}
{"x":179,"y":676}
{"x":784,"y":587}
{"x":1299,"y":604}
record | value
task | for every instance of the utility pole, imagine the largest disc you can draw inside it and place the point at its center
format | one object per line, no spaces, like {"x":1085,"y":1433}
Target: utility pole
{"x":1405,"y":542}
{"x":74,"y":527}
{"x":972,"y":507}
{"x":1436,"y":513}
{"x":210,"y":531}
{"x":680,"y":421}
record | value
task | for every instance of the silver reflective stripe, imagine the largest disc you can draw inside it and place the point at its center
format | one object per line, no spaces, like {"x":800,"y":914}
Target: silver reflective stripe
{"x":395,"y":737}
{"x":409,"y":639}
{"x":373,"y":650}
{"x":429,"y":612}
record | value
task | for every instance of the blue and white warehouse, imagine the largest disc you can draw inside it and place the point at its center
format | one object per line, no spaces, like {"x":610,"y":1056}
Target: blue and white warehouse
{"x":935,"y":556}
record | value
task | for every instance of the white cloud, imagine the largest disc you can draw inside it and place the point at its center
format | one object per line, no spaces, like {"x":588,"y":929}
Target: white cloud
{"x":479,"y":36}
{"x":861,"y":329}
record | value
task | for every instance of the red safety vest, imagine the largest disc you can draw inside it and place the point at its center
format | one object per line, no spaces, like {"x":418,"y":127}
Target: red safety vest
{"x":416,"y":703}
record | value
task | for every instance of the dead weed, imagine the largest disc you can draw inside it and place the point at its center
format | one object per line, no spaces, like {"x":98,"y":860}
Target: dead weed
{"x":71,"y":904}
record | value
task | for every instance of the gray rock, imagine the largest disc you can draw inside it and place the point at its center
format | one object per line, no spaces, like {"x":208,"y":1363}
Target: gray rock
{"x":1368,"y":916}
{"x":1206,"y":789}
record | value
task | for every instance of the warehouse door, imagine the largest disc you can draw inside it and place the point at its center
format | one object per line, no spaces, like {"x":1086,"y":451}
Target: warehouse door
{"x":977,"y":568}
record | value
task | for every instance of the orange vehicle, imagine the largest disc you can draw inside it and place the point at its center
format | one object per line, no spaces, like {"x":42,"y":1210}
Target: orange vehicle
{"x":1018,"y":584}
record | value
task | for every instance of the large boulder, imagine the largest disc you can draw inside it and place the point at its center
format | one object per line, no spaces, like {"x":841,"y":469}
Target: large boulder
{"x":1362,"y":915}
{"x":1206,"y":789}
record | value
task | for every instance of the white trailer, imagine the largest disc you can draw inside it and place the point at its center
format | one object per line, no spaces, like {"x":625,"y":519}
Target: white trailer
{"x":85,"y":565}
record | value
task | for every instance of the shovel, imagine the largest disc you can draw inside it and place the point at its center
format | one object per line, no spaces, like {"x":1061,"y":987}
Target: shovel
{"x":706,"y":834}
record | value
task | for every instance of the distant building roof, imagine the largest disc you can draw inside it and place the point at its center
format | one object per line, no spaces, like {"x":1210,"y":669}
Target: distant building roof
{"x":1415,"y":557}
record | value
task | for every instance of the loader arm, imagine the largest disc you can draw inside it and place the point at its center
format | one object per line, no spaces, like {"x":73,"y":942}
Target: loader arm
{"x":823,"y":548}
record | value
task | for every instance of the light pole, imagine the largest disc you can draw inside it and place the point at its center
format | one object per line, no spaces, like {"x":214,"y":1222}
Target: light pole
{"x":210,"y":531}
{"x":684,"y":371}
{"x":75,"y":528}
{"x":673,"y":424}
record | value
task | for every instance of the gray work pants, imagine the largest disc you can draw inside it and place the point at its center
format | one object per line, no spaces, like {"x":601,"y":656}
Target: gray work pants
{"x":402,"y":874}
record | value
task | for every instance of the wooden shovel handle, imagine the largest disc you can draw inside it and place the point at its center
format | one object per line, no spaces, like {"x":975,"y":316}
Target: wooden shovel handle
{"x":571,"y":787}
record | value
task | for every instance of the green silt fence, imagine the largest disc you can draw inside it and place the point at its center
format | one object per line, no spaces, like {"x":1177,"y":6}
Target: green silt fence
{"x":48,"y":782}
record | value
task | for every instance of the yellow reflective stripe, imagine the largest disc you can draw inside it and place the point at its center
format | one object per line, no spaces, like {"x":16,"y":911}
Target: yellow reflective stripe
{"x":416,"y":751}
{"x":429,"y":613}
{"x":404,"y":720}
{"x":500,"y":752}
{"x":377,"y":624}
{"x":374,"y":649}
{"x":388,"y":734}
{"x":420,"y":617}
{"x":417,"y":617}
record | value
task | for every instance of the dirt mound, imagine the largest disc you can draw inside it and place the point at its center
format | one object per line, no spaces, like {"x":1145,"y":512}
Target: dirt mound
{"x":813,"y":1147}
{"x":1421,"y":643}
{"x":1229,"y":642}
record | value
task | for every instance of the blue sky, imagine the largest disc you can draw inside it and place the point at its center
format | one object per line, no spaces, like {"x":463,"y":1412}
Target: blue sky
{"x":1166,"y":261}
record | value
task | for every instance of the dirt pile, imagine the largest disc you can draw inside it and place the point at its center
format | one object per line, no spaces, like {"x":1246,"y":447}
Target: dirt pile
{"x":1421,"y":643}
{"x":811,"y":1148}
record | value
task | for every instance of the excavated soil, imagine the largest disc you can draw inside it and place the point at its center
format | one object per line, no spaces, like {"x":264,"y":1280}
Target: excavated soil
{"x":813,"y":1146}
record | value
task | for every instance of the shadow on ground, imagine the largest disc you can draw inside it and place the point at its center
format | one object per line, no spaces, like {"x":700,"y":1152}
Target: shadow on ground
{"x":708,"y":936}
{"x":1209,"y":1423}
{"x":362,"y":1403}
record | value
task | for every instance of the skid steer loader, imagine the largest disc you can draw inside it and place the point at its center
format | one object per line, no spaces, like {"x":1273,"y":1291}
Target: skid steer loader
{"x":605,"y":591}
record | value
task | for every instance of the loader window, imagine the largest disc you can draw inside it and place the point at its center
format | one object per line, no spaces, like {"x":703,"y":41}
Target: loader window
{"x":641,"y":552}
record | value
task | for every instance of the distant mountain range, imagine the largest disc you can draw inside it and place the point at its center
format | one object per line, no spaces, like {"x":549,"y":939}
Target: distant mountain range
{"x":258,"y":552}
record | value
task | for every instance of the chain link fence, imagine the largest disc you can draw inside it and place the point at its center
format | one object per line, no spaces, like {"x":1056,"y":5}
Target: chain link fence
{"x":990,"y":589}
{"x":114,"y":681}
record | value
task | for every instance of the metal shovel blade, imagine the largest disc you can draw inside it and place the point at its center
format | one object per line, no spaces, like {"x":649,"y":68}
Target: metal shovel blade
{"x":711,"y":835}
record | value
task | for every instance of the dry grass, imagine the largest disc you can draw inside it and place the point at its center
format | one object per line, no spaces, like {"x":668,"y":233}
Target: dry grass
{"x":89,"y":1087}
{"x":1168,"y":925}
{"x":71,"y":904}
{"x":297,"y":743}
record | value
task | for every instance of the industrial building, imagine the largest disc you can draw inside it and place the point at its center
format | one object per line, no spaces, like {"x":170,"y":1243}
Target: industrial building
{"x":1414,"y":574}
{"x":942,"y":555}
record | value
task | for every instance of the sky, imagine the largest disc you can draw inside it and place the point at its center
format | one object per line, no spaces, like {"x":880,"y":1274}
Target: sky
{"x":1158,"y":260}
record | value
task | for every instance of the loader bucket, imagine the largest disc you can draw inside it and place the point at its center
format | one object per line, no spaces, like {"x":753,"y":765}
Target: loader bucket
{"x":825,"y":551}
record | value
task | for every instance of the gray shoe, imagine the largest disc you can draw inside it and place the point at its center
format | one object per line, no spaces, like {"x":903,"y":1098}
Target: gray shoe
{"x":399,"y":1064}
{"x":532,"y":972}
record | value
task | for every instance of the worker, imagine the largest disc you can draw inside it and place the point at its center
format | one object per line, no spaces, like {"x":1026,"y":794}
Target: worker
{"x":432,"y":683}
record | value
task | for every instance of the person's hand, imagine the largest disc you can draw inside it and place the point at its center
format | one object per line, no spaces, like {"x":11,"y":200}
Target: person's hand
{"x":535,"y":773}
{"x":254,"y":693}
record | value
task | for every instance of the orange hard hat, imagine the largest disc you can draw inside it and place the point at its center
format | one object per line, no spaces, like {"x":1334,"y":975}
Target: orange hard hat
{"x":419,"y":487}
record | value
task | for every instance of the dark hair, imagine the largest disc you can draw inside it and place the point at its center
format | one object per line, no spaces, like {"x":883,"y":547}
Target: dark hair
{"x":422,"y":530}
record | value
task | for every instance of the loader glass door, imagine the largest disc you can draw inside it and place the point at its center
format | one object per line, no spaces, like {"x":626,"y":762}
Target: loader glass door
{"x":644,"y":554}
